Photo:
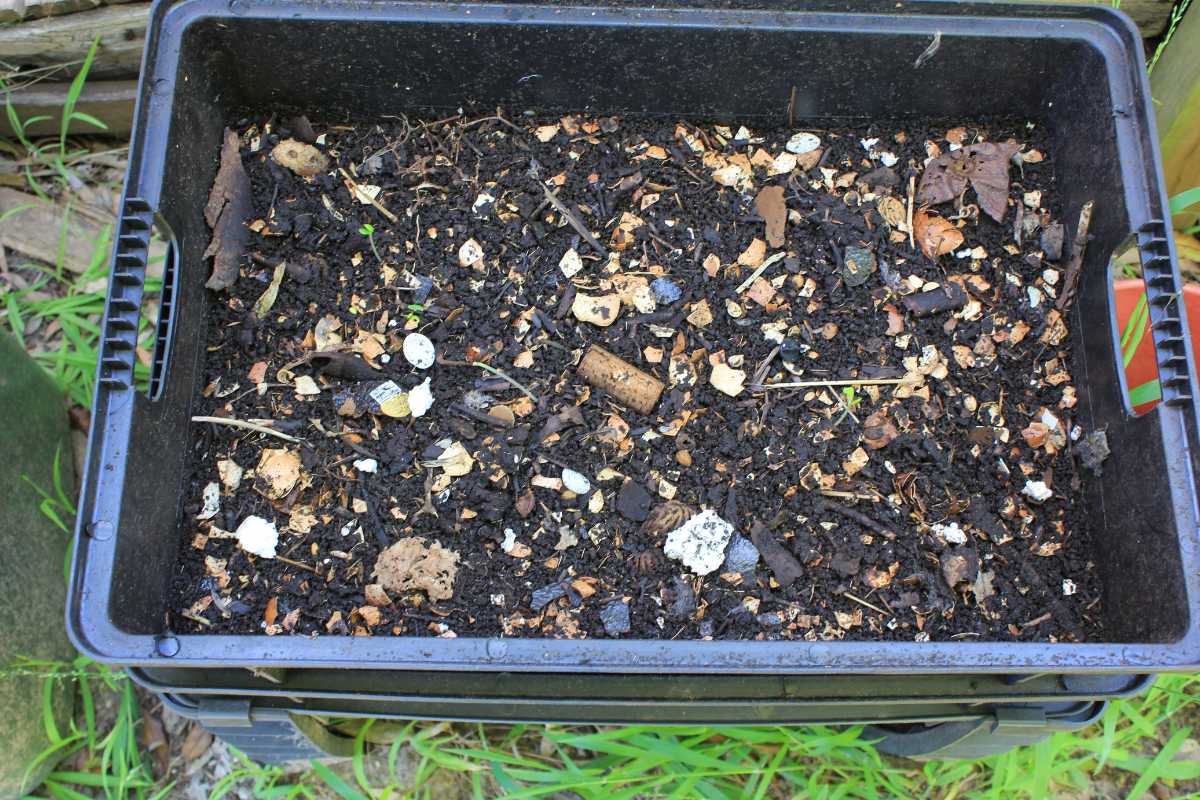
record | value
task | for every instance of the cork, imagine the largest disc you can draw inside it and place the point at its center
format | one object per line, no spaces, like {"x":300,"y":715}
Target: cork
{"x":624,"y":382}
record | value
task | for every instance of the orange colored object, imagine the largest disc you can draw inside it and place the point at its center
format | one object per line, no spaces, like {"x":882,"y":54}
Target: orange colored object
{"x":1143,"y":368}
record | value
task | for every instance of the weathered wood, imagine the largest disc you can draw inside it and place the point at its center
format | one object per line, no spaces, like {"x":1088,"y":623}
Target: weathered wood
{"x":1149,"y":15}
{"x":56,"y":40}
{"x":1175,"y":86}
{"x":111,"y":102}
{"x":17,"y":10}
{"x":33,"y":228}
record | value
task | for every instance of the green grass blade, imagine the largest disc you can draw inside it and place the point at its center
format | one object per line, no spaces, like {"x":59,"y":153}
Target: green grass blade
{"x":1160,"y":762}
{"x":68,"y":109}
{"x":1184,"y":200}
{"x":336,"y":783}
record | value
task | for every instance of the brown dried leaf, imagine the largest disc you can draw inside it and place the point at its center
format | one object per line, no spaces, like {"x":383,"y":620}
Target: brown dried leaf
{"x":411,"y":564}
{"x":196,"y":743}
{"x":228,"y":208}
{"x":525,"y":503}
{"x":272,"y":610}
{"x":771,"y":206}
{"x":878,"y":578}
{"x":895,"y":320}
{"x":984,"y":165}
{"x":856,"y":461}
{"x":878,"y":431}
{"x":935,"y":236}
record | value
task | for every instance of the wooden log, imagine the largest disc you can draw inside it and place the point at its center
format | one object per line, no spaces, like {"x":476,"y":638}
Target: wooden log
{"x":35,"y":229}
{"x":1175,"y":86}
{"x":65,"y":39}
{"x":111,"y":102}
{"x":627,"y":384}
{"x":22,"y":10}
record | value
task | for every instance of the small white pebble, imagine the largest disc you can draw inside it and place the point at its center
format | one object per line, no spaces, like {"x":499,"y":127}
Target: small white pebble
{"x":510,"y":540}
{"x":1069,"y":587}
{"x":1035,"y":296}
{"x":366,"y":465}
{"x":498,"y":600}
{"x":1037,"y":490}
{"x":385,"y":358}
{"x":888,"y":159}
{"x":867,"y":144}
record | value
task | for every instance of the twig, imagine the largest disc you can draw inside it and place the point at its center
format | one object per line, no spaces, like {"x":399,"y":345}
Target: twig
{"x":862,"y":602}
{"x":855,"y":516}
{"x":1075,"y":266}
{"x":511,"y":380}
{"x":249,"y":426}
{"x":298,"y":564}
{"x":836,"y":382}
{"x":848,"y":495}
{"x":912,"y":189}
{"x":579,"y":227}
{"x":378,"y":205}
{"x":754,"y":275}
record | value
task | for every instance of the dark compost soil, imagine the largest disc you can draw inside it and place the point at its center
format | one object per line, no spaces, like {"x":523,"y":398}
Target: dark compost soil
{"x":883,"y":511}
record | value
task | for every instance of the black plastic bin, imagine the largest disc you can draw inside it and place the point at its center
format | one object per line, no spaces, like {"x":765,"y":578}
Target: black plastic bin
{"x":1076,"y":69}
{"x":277,"y":716}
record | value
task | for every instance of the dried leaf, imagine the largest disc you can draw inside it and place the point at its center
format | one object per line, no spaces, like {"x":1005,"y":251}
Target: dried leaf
{"x":983,"y":165}
{"x":272,"y":610}
{"x":856,"y":461}
{"x":878,"y":431}
{"x":935,"y":236}
{"x":228,"y":209}
{"x":771,"y":206}
{"x":411,"y":564}
{"x":196,"y":743}
{"x":266,"y":300}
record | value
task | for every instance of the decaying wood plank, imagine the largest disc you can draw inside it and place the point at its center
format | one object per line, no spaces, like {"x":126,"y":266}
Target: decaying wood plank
{"x":54,"y":40}
{"x":111,"y":102}
{"x":33,"y":228}
{"x":25,"y":10}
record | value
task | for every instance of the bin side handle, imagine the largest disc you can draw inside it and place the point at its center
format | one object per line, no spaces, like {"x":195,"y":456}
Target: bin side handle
{"x":1168,"y":324}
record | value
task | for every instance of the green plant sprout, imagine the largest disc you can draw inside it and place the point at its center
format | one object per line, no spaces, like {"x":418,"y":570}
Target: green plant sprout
{"x":849,"y":400}
{"x":415,"y":310}
{"x":368,"y":230}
